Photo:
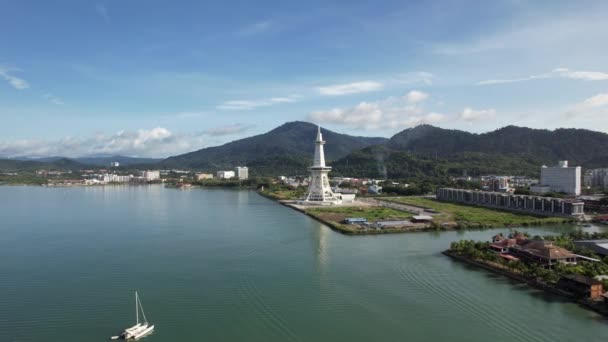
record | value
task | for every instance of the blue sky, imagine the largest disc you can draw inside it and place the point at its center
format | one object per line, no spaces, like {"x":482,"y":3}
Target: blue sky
{"x":157,"y":78}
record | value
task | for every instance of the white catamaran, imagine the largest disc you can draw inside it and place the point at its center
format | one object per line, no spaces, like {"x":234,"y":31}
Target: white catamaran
{"x":139,"y":329}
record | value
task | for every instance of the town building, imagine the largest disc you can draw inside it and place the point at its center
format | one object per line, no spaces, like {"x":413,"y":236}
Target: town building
{"x":547,"y":206}
{"x":225,"y":174}
{"x":202,"y":176}
{"x":599,"y":247}
{"x":150,"y":176}
{"x":540,"y":252}
{"x":560,"y":178}
{"x":242,"y":172}
{"x":497,"y":184}
{"x":581,"y":286}
{"x":114,"y":164}
{"x":597,"y":178}
{"x":319,"y":190}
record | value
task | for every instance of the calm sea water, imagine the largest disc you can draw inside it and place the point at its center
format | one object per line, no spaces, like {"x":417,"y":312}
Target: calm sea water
{"x":220,"y":265}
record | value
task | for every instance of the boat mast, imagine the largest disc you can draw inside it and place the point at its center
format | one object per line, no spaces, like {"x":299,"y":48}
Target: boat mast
{"x":143,"y":313}
{"x":136,"y":309}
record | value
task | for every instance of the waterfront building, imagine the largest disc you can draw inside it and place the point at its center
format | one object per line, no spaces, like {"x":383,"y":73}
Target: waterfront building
{"x":547,"y":206}
{"x":540,"y":252}
{"x":202,"y":176}
{"x":149,"y":176}
{"x":242,"y":172}
{"x":560,"y":178}
{"x":225,"y":174}
{"x":319,"y":190}
{"x":581,"y":286}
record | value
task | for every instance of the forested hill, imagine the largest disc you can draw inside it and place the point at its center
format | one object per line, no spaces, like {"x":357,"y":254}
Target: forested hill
{"x":287,"y":149}
{"x":579,"y":146}
{"x":431,"y":152}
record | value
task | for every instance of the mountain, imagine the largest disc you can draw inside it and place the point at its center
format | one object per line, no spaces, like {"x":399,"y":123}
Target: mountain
{"x":287,"y":149}
{"x":95,"y":160}
{"x":579,"y":146}
{"x":428,"y":152}
{"x":10,"y":165}
{"x":123,"y":160}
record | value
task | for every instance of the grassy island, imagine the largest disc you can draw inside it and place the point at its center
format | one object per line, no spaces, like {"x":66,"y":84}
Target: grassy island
{"x":476,"y":217}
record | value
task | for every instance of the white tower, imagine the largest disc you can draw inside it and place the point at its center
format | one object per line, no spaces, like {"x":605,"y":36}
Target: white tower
{"x":319,"y":191}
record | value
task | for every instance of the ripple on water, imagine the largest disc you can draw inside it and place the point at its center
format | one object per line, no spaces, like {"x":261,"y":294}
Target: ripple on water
{"x":434,"y":282}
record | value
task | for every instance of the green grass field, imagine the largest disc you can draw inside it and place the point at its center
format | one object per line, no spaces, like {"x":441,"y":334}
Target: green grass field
{"x":477,"y":216}
{"x":370,"y":213}
{"x":334,"y":216}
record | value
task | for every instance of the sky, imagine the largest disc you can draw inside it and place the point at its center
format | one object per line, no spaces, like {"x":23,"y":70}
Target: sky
{"x":159,"y":78}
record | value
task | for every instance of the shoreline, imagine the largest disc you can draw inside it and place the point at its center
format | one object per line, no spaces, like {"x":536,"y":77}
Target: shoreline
{"x":431,"y":227}
{"x":338,"y":228}
{"x":598,"y":307}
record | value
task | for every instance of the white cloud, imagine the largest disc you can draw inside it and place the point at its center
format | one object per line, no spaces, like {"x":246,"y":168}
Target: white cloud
{"x":556,"y":73}
{"x":594,"y":108}
{"x":416,"y":96}
{"x":53,"y":99}
{"x":15,"y":82}
{"x":599,"y":100}
{"x":350,"y":88}
{"x":102,"y":11}
{"x":470,"y":114}
{"x":156,"y":142}
{"x":253,"y":104}
{"x":581,"y":75}
{"x":228,"y":129}
{"x":393,"y":112}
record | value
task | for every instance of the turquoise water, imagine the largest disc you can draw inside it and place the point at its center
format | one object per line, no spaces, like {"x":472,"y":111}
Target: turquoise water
{"x":221,"y":265}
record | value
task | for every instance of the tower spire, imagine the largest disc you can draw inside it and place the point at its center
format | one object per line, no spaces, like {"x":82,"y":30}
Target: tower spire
{"x":319,"y":190}
{"x":319,"y":152}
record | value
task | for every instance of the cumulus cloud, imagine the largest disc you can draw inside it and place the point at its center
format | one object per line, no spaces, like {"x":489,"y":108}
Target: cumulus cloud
{"x":253,"y":104}
{"x":555,"y":73}
{"x":470,"y":114}
{"x":227,"y":129}
{"x":393,"y":112}
{"x":156,"y":142}
{"x":15,"y":82}
{"x":416,"y":96}
{"x":350,"y":88}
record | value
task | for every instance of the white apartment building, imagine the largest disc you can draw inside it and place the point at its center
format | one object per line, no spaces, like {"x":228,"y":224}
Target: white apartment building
{"x":201,"y":176}
{"x":149,"y":176}
{"x":225,"y":174}
{"x":242,"y":172}
{"x":113,"y":178}
{"x":560,"y":178}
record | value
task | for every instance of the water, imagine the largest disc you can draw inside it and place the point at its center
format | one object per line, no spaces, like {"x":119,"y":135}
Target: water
{"x":221,"y":265}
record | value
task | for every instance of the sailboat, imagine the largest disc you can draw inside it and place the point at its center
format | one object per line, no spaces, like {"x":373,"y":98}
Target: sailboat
{"x":140,"y":329}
